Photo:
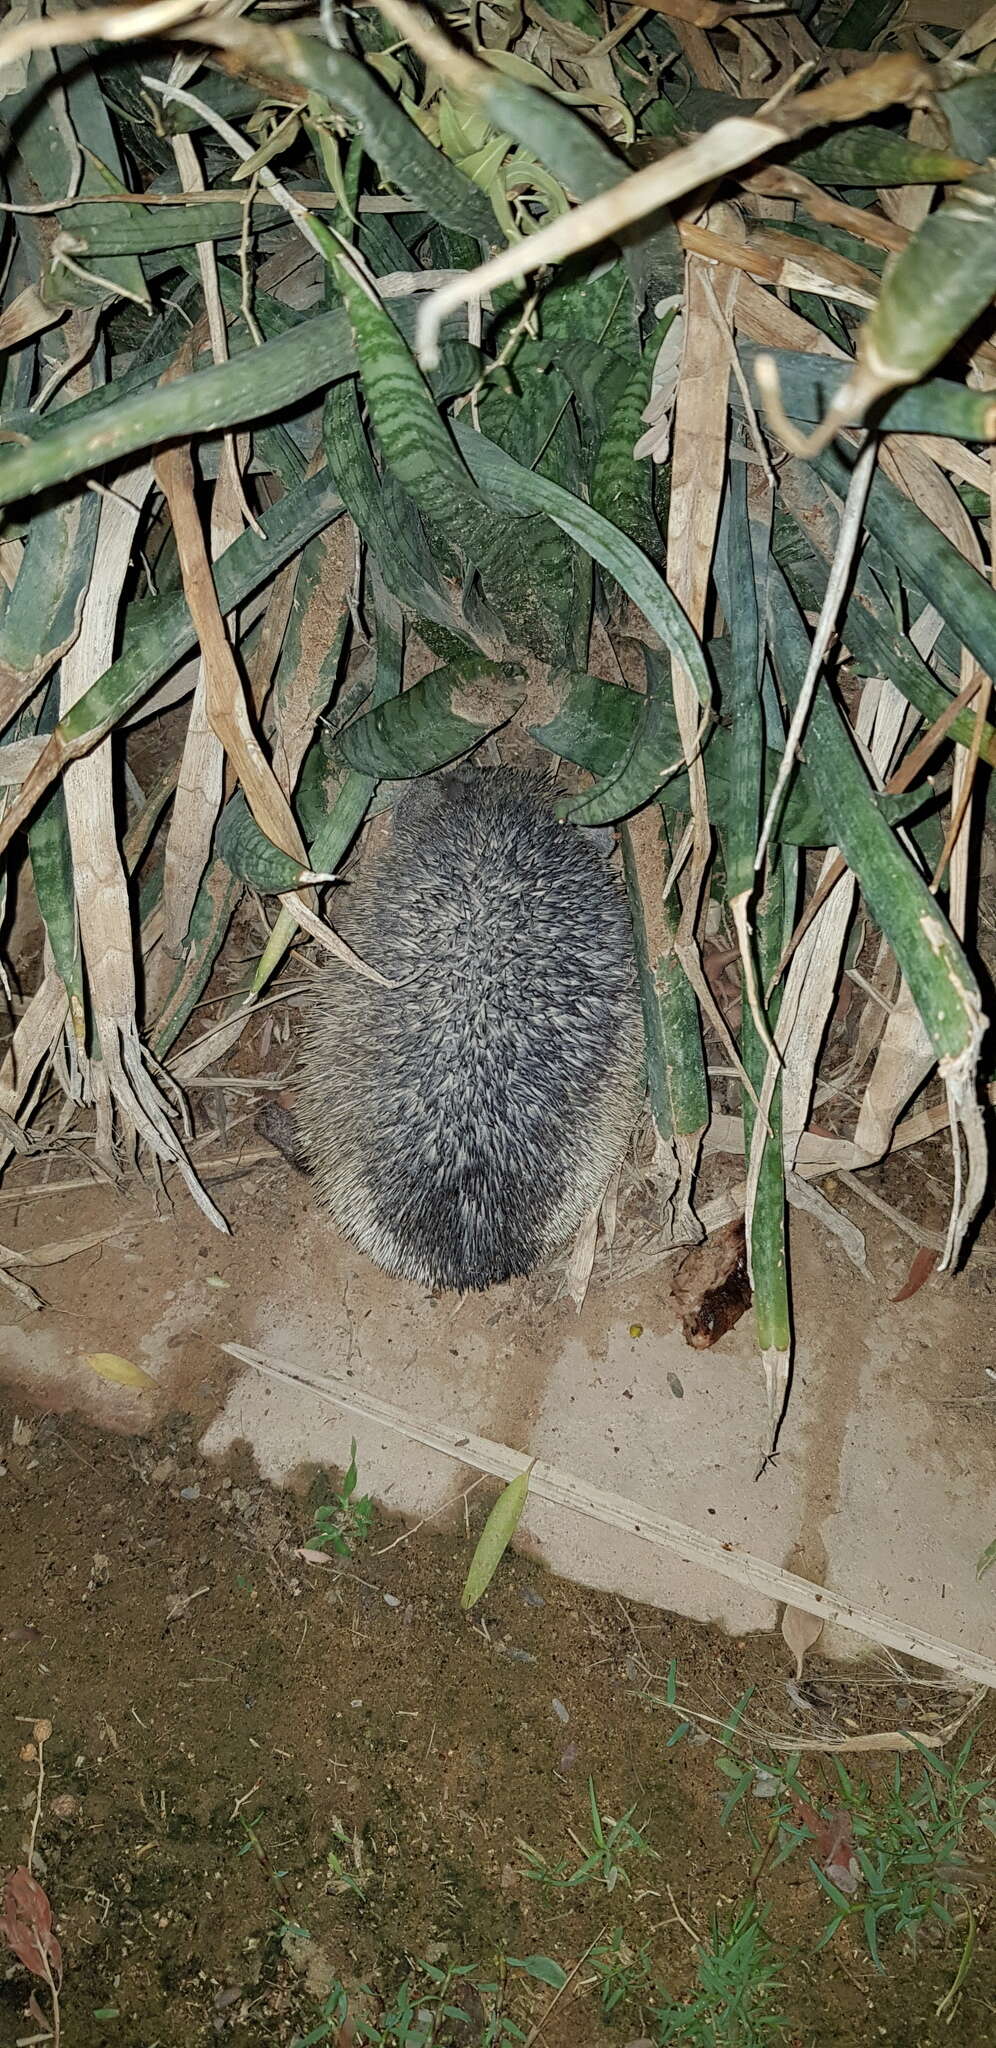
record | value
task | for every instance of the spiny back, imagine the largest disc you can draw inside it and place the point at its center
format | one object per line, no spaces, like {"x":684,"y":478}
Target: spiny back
{"x":458,"y":1125}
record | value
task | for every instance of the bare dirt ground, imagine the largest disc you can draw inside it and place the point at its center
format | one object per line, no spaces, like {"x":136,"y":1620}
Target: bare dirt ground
{"x":275,"y":1790}
{"x":265,"y":1779}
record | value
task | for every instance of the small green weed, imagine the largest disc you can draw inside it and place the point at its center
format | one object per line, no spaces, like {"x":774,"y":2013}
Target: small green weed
{"x":914,"y":1869}
{"x":343,"y":1523}
{"x":894,"y":1866}
{"x":738,"y":1978}
{"x":611,"y":1841}
{"x":416,"y":2013}
{"x":344,"y":1858}
{"x":625,"y":1976}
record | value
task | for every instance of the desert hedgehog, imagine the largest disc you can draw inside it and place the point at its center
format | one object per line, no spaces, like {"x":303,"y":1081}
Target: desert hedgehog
{"x":458,"y":1124}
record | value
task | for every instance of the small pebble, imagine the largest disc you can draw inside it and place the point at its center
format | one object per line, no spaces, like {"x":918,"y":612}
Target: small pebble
{"x":391,"y":1600}
{"x":190,"y":1493}
{"x":560,"y":1710}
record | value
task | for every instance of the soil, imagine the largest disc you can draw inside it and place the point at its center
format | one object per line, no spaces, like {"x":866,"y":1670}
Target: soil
{"x":224,"y":1712}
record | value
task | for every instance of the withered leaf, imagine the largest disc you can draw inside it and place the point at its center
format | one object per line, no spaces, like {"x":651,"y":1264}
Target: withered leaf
{"x":26,"y":1925}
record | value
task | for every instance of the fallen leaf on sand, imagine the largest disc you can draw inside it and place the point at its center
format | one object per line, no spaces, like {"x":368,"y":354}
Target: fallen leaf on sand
{"x":801,"y":1631}
{"x":120,"y":1371}
{"x":921,"y":1268}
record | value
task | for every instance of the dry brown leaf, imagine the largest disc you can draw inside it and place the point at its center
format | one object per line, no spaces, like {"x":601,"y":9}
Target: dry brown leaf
{"x":317,"y":629}
{"x":698,"y":471}
{"x":702,"y":13}
{"x":806,"y":266}
{"x":862,"y":222}
{"x":26,"y":1925}
{"x":921,"y":1267}
{"x":700,"y":56}
{"x":582,"y":1258}
{"x":800,"y":1631}
{"x":26,"y":315}
{"x":224,"y":698}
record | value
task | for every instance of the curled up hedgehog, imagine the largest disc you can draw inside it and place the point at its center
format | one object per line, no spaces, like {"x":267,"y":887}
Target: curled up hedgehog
{"x":459,"y":1124}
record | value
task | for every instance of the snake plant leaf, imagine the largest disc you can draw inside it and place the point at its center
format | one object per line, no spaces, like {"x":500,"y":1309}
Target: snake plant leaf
{"x":936,"y":288}
{"x":741,"y":701}
{"x":648,"y":765}
{"x":403,"y":155}
{"x":41,"y":617}
{"x":51,"y":858}
{"x":876,"y":157}
{"x":942,"y":983}
{"x":863,"y":155}
{"x":383,"y":514}
{"x":116,"y":231}
{"x":768,"y":1242}
{"x":592,"y":723}
{"x":932,"y":293}
{"x":256,"y":384}
{"x":676,"y":1075}
{"x":251,"y":386}
{"x":621,"y":488}
{"x":214,"y":907}
{"x":869,"y":625}
{"x":809,"y":385}
{"x":926,"y":557}
{"x":969,"y":108}
{"x":418,"y":448}
{"x":451,"y":710}
{"x":862,"y":23}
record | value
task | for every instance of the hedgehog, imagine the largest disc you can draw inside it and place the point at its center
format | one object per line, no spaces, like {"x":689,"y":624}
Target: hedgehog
{"x":459,"y":1124}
